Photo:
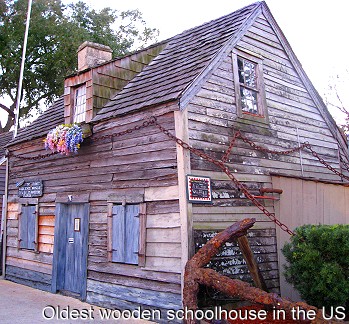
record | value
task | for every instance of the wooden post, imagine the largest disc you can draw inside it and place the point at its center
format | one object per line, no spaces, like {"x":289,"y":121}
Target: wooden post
{"x":251,"y":262}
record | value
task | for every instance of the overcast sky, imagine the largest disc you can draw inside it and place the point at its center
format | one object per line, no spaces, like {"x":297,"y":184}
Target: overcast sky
{"x":316,"y":30}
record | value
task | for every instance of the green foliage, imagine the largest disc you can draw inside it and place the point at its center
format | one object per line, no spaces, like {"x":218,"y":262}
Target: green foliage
{"x":319,"y":266}
{"x":55,"y":33}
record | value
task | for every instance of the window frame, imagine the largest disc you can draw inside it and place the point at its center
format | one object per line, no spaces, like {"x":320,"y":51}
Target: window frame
{"x":76,"y":112}
{"x":262,"y":115}
{"x":141,"y":232}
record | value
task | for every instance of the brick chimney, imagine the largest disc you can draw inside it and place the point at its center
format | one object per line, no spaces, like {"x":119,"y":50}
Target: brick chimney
{"x":91,"y":54}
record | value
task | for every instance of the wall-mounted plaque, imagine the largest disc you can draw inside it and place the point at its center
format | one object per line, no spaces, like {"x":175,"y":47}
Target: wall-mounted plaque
{"x":199,"y":189}
{"x":77,"y":224}
{"x":30,"y":189}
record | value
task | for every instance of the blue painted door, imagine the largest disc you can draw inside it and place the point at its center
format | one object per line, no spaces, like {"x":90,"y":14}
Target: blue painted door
{"x":70,"y":249}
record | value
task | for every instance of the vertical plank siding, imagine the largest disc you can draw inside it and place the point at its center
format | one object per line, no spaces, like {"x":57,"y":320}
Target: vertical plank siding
{"x":307,"y":202}
{"x":141,"y":163}
{"x":213,"y":118}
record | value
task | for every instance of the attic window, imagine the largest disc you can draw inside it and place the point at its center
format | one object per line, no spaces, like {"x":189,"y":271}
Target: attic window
{"x":80,"y":104}
{"x":249,"y":87}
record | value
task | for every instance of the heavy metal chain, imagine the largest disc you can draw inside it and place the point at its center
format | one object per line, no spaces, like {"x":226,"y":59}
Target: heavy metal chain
{"x":305,"y":145}
{"x":145,"y":124}
{"x":218,"y":163}
{"x":34,"y":158}
{"x":345,"y":164}
{"x":329,"y":167}
{"x":263,"y":149}
{"x":225,"y":169}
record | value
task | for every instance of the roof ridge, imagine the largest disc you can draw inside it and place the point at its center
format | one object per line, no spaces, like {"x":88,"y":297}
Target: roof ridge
{"x":173,"y":69}
{"x":218,"y":18}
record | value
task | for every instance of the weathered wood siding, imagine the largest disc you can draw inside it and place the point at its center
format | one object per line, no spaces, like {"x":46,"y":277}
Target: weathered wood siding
{"x":2,"y":186}
{"x":142,"y":163}
{"x":213,"y":118}
{"x":307,"y":202}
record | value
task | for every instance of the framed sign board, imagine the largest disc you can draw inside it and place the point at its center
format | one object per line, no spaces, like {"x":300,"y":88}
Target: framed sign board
{"x":30,"y":189}
{"x":199,"y":189}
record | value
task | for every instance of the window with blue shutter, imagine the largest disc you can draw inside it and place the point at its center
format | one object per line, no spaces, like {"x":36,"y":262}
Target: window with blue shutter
{"x":27,"y":227}
{"x":125,"y":233}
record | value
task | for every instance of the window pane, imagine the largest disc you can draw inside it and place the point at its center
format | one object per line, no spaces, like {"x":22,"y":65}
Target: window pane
{"x":247,"y":73}
{"x":80,"y":104}
{"x":249,"y":101}
{"x":250,"y":74}
{"x":241,"y":71}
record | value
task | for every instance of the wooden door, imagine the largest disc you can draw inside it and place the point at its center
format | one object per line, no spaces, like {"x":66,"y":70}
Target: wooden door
{"x":70,"y":249}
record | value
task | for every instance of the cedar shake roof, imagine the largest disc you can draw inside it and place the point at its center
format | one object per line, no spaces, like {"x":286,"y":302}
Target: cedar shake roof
{"x":165,"y":79}
{"x":185,"y":57}
{"x":51,"y":118}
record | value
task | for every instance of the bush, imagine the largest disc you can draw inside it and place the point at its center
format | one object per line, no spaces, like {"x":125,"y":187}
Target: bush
{"x":319,"y":267}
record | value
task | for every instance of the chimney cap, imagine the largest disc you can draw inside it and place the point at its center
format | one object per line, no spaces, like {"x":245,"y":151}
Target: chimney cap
{"x":98,"y":46}
{"x":92,"y":54}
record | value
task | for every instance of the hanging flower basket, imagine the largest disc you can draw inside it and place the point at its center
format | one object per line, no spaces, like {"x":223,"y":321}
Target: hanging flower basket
{"x":65,"y":139}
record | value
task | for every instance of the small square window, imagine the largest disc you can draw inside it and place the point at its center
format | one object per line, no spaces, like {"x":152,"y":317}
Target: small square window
{"x":80,"y":104}
{"x":249,"y":87}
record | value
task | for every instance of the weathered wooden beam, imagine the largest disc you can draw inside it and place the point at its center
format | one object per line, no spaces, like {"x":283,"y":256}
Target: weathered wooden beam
{"x":251,"y":263}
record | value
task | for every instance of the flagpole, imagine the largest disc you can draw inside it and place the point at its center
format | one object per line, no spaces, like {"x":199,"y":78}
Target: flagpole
{"x":19,"y":91}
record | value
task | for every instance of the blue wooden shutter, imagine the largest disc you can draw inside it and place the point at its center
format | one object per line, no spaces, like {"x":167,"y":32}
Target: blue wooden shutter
{"x":125,"y":237}
{"x":28,"y":227}
{"x":118,"y":233}
{"x":132,"y":234}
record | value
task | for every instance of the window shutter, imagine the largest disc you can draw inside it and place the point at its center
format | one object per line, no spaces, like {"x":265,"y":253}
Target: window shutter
{"x":118,"y":238}
{"x":27,"y":227}
{"x":132,"y":234}
{"x":125,"y":234}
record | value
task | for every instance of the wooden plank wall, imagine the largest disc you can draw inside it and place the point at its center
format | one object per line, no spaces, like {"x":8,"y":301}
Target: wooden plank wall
{"x":140,"y":163}
{"x":2,"y":186}
{"x":213,"y":119}
{"x":307,"y":202}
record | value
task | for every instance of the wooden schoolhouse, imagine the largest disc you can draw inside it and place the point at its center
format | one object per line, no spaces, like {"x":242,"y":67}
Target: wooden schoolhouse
{"x":115,"y":223}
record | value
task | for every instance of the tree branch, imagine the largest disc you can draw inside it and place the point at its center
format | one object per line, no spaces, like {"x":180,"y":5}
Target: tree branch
{"x":8,"y":110}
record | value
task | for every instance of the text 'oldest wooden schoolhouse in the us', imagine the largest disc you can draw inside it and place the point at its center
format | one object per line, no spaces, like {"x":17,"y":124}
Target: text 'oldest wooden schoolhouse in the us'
{"x":184,"y":138}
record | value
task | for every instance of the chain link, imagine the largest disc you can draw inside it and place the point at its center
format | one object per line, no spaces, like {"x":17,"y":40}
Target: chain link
{"x":225,"y":169}
{"x":263,"y":149}
{"x":33,"y":158}
{"x":345,"y":164}
{"x":305,"y":145}
{"x":219,"y":163}
{"x":145,"y":124}
{"x":329,"y":167}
